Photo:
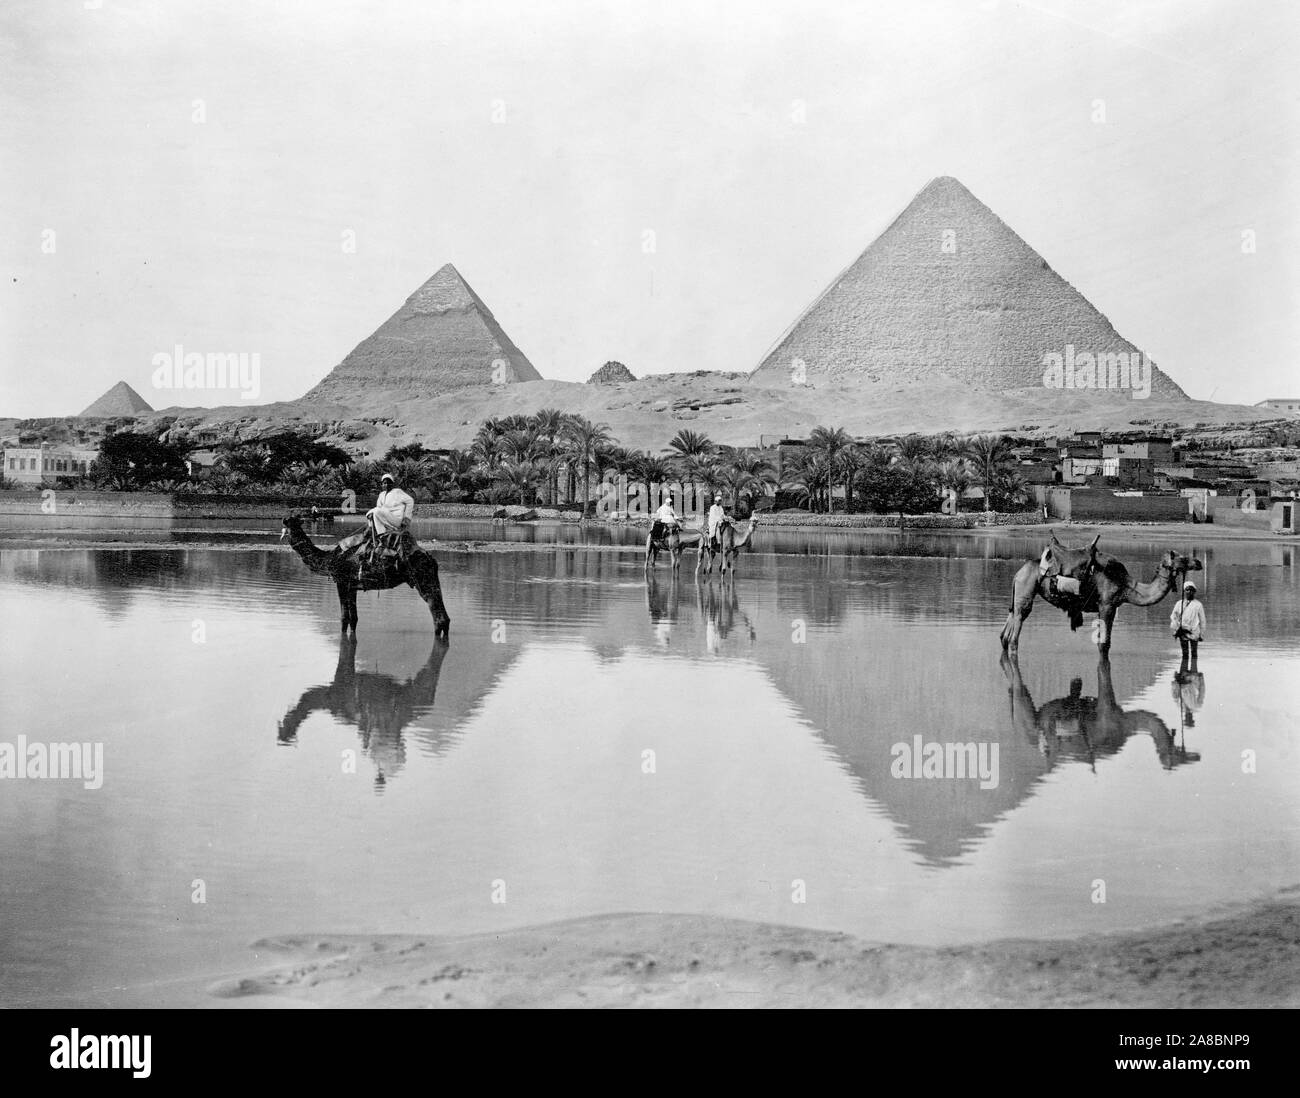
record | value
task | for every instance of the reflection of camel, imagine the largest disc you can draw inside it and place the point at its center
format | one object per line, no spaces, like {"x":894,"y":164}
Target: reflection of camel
{"x":377,"y":705}
{"x":673,"y":543}
{"x":1086,"y":728}
{"x":1106,"y":587}
{"x":719,"y":613}
{"x":729,"y":547}
{"x":418,"y":569}
{"x":662,"y":605}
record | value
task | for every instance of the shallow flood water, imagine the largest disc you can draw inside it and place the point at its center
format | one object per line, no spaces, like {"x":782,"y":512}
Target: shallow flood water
{"x":589,"y":743}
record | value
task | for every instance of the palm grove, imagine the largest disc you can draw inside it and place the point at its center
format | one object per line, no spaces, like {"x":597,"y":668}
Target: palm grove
{"x":554,"y":456}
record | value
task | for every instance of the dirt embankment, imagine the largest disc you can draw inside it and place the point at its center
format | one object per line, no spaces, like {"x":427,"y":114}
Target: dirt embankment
{"x":1247,"y":959}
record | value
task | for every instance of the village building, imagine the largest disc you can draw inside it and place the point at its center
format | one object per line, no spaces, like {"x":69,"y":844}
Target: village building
{"x":1281,"y":404}
{"x":44,"y":463}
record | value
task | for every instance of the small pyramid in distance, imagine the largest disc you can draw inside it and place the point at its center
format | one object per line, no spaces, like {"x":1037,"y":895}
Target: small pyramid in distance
{"x":612,"y":373}
{"x":947,"y":289}
{"x":442,"y":338}
{"x":120,"y":400}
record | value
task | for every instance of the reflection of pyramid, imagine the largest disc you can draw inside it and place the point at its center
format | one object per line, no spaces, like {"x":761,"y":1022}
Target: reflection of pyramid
{"x":120,"y":400}
{"x":442,"y":338}
{"x":949,"y":289}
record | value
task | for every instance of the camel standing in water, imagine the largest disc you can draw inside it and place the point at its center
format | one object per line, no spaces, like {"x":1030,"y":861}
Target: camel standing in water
{"x":1107,"y":585}
{"x":729,"y":547}
{"x":674,"y":542}
{"x":351,"y":573}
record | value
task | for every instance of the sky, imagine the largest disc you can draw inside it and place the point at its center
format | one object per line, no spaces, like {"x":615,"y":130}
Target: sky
{"x":667,"y":184}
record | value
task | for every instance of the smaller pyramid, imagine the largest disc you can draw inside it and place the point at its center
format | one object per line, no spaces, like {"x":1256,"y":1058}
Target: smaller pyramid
{"x":611,"y":374}
{"x":120,"y":400}
{"x":442,"y":338}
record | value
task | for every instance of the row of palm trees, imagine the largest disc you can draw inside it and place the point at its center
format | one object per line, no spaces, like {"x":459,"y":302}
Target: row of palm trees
{"x":552,"y":456}
{"x":831,"y":459}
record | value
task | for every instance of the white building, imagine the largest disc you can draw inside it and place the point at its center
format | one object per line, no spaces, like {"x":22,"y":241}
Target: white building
{"x":37,"y":464}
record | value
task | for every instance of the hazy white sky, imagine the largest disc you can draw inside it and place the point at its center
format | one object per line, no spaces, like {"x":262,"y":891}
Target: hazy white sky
{"x":532,"y":144}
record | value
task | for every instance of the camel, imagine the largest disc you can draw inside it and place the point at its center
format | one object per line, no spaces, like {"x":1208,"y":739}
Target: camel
{"x":351,"y":572}
{"x":376,"y":705}
{"x":1087,"y":728}
{"x":1106,"y":587}
{"x":729,"y":548}
{"x":674,"y":543}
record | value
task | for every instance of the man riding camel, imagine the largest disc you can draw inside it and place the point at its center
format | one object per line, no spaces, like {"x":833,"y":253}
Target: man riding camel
{"x":715,"y":520}
{"x":666,"y":520}
{"x":386,"y":522}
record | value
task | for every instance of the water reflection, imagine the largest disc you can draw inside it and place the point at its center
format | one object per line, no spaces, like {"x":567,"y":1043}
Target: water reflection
{"x":1087,"y":728}
{"x":1188,"y":688}
{"x":380,"y":707}
{"x":719,"y":610}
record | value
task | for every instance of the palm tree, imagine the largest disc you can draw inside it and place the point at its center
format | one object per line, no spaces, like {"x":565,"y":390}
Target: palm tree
{"x":829,"y":442}
{"x":748,"y":473}
{"x":458,"y":467}
{"x":914,"y":448}
{"x":1012,"y":489}
{"x":651,"y":470}
{"x":810,"y":471}
{"x":989,"y":454}
{"x":549,"y":424}
{"x":520,"y":476}
{"x":587,"y":439}
{"x":701,"y":471}
{"x":688,"y":444}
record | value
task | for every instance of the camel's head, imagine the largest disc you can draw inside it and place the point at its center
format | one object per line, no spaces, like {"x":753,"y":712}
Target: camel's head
{"x":290,"y":524}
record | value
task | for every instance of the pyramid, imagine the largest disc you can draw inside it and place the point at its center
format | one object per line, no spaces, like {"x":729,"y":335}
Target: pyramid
{"x":442,"y":338}
{"x":120,"y":400}
{"x":611,"y":374}
{"x":947,"y":289}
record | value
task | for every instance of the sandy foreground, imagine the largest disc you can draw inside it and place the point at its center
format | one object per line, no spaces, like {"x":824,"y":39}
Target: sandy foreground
{"x":1247,"y":958}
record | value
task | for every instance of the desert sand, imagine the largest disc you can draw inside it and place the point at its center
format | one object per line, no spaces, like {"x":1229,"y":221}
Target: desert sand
{"x":1245,"y":958}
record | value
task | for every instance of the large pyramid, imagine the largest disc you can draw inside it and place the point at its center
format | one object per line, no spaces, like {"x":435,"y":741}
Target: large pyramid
{"x":442,"y":338}
{"x":120,"y":400}
{"x":947,"y":289}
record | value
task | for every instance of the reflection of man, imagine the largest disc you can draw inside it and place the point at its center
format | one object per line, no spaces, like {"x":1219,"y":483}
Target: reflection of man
{"x":1188,"y":688}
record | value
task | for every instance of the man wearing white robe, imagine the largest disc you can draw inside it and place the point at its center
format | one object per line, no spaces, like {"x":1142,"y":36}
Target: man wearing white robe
{"x":392,"y":510}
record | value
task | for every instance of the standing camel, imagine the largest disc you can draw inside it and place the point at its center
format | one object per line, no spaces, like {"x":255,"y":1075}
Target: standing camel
{"x":352,"y":573}
{"x":674,"y":542}
{"x":729,"y":547}
{"x":1106,"y":587}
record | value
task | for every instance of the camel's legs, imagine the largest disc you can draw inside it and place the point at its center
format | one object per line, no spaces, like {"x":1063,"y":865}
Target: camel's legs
{"x":347,"y":607}
{"x":1023,"y":592}
{"x":1105,"y":624}
{"x":424,"y":578}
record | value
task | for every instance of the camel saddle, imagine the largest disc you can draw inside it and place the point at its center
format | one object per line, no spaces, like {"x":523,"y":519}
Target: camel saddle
{"x":1081,"y":569}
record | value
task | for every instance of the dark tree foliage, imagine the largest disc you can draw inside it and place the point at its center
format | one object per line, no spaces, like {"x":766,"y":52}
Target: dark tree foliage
{"x":895,"y":489}
{"x":129,"y":460}
{"x":411,"y":451}
{"x":266,"y":459}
